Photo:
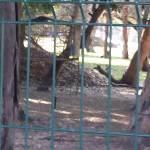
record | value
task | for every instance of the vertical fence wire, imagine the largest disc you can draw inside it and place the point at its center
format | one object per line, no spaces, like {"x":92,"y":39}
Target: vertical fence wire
{"x":82,"y":90}
{"x":109,"y":98}
{"x":27,"y":87}
{"x":137,"y":101}
{"x":28,"y":61}
{"x":2,"y":28}
{"x":53,"y":94}
{"x":82,"y":80}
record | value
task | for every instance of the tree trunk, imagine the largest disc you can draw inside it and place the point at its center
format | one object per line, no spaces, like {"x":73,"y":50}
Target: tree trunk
{"x":125,"y":32}
{"x":21,"y":30}
{"x":72,"y":49}
{"x":144,"y":116}
{"x":106,"y":35}
{"x":130,"y":75}
{"x":74,"y":38}
{"x":146,"y":65}
{"x":73,"y":44}
{"x":146,"y":13}
{"x":10,"y":99}
{"x":96,"y":13}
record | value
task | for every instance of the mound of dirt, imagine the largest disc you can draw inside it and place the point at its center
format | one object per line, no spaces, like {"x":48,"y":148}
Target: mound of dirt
{"x":71,"y":73}
{"x":39,"y":64}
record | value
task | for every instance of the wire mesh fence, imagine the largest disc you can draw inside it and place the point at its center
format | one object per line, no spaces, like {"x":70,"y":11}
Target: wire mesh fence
{"x":55,"y":119}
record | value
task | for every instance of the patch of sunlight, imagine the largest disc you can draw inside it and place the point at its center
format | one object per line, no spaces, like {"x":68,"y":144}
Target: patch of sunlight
{"x":38,"y":101}
{"x":126,"y":92}
{"x":96,"y":60}
{"x":94,"y":111}
{"x":25,"y":43}
{"x":119,"y":115}
{"x":120,"y":121}
{"x":94,"y":119}
{"x":63,"y":112}
{"x":101,"y":120}
{"x":40,"y":112}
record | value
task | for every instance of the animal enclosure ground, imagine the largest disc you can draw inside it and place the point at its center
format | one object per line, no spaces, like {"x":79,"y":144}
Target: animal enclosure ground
{"x":95,"y":113}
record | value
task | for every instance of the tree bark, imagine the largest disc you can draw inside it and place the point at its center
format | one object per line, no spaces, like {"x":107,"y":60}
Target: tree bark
{"x":125,"y":32}
{"x":74,"y":38}
{"x":21,"y":34}
{"x":72,"y":49}
{"x":130,"y":75}
{"x":10,"y":97}
{"x":146,"y":65}
{"x":96,"y":13}
{"x":106,"y":35}
{"x":143,"y":116}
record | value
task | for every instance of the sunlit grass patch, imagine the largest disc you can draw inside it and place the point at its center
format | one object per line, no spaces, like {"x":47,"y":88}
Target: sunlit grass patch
{"x":118,"y":66}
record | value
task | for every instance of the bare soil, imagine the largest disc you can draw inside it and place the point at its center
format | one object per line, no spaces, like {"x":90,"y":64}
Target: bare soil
{"x":96,"y":107}
{"x":79,"y":119}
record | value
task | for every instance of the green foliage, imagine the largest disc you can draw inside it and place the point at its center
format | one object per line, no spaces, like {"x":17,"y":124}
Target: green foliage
{"x":36,"y":9}
{"x":40,"y":8}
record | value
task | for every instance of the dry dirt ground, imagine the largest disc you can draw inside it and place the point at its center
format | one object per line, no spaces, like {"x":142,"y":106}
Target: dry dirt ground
{"x":96,"y":108}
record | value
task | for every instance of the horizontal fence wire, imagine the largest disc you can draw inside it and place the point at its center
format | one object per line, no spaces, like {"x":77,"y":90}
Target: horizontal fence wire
{"x":52,"y":128}
{"x":103,"y":2}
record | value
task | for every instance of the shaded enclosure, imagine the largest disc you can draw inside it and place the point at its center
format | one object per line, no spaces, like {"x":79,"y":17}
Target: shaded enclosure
{"x":50,"y":97}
